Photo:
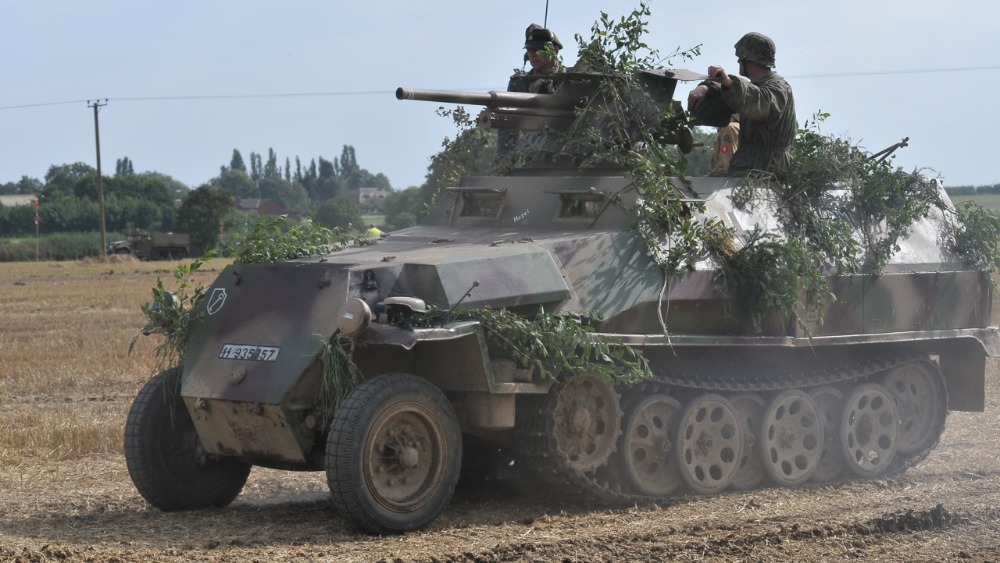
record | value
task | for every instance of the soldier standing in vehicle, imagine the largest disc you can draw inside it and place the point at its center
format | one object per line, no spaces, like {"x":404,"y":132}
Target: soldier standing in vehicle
{"x":764,"y":102}
{"x":541,"y":50}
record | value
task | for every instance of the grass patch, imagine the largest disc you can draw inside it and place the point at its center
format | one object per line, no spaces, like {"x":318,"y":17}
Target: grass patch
{"x":989,"y":201}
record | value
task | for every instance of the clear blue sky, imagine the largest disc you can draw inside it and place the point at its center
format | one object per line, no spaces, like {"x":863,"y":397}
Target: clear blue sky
{"x":188,"y":81}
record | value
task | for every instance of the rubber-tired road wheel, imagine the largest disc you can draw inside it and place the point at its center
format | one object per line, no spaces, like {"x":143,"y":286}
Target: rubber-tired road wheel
{"x":393,"y":454}
{"x":164,"y":458}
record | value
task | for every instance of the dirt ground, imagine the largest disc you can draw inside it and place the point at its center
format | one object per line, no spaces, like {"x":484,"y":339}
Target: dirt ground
{"x":85,"y":508}
{"x":945,"y":509}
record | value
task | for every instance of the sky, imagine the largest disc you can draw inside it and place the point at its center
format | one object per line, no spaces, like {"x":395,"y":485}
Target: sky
{"x":188,"y":81}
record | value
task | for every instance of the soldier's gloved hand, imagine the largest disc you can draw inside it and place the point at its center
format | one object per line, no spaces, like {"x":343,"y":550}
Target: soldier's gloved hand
{"x":541,"y":87}
{"x":718,"y":74}
{"x":696,"y":96}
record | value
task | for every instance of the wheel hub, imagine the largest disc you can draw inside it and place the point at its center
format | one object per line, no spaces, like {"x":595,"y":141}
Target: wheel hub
{"x":409,"y":457}
{"x":580,"y":420}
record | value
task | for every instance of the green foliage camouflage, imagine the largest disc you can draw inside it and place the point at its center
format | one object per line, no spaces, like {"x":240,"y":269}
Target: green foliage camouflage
{"x":171,"y":313}
{"x":551,"y":344}
{"x":278,"y":239}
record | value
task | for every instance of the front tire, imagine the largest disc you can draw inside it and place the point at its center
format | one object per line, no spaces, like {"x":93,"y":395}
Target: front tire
{"x":393,"y":454}
{"x":164,"y":458}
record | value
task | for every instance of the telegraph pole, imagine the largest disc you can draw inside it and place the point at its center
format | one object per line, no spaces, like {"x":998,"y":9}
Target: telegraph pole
{"x":100,"y":181}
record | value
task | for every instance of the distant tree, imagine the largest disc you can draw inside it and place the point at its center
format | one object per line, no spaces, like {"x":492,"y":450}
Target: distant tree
{"x":288,"y":170}
{"x":202,"y":215}
{"x":144,"y":186}
{"x":402,"y":208}
{"x":327,"y":169}
{"x":28,"y":185}
{"x":368,"y":180}
{"x":328,"y":183}
{"x":62,"y":180}
{"x":339,"y":212}
{"x":176,"y":187}
{"x":292,"y":197}
{"x":271,"y":168}
{"x":347,"y":168}
{"x":237,"y":183}
{"x":123,"y":166}
{"x":236,"y":162}
{"x":256,"y":168}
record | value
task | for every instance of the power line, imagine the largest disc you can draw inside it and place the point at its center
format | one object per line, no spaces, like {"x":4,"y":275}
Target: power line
{"x":213,"y":97}
{"x":891,"y":72}
{"x":391,"y":92}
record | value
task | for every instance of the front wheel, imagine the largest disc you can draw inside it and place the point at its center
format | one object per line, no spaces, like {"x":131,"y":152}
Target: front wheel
{"x":164,"y":457}
{"x":393,"y":454}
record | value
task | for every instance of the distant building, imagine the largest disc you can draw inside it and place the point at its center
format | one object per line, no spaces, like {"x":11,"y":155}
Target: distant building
{"x":263,"y":206}
{"x":17,"y":199}
{"x":362,"y":195}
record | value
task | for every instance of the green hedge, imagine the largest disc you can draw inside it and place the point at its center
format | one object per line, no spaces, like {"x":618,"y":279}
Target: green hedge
{"x":60,"y":246}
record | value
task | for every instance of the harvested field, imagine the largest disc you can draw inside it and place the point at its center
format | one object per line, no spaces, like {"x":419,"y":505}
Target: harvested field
{"x":67,"y":381}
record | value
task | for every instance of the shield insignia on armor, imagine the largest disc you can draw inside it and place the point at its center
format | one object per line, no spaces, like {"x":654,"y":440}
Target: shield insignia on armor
{"x":216,"y":300}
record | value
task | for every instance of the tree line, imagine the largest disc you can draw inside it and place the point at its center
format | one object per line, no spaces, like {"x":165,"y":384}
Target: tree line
{"x":152,"y":201}
{"x":148,"y":201}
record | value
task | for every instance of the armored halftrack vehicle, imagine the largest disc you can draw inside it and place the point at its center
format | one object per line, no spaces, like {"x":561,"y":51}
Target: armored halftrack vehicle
{"x":727,"y":404}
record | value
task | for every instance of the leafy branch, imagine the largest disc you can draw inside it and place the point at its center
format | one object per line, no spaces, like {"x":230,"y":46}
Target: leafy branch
{"x":171,"y":313}
{"x":552,"y":343}
{"x":277,"y":239}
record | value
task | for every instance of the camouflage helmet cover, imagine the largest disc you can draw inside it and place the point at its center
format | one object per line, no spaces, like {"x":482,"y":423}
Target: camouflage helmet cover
{"x":756,"y":48}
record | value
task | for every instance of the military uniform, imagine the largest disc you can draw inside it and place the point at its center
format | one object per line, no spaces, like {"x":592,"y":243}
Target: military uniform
{"x":537,"y":38}
{"x":767,"y":111}
{"x":767,"y":123}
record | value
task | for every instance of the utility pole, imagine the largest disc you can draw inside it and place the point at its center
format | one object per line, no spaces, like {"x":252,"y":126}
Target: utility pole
{"x":100,"y":181}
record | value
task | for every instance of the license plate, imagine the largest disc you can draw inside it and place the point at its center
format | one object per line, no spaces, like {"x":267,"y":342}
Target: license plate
{"x":249,"y":352}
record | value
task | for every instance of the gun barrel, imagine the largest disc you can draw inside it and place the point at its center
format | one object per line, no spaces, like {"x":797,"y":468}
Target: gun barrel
{"x":491,"y":99}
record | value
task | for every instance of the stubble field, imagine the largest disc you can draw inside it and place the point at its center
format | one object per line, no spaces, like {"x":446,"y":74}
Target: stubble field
{"x":67,"y":380}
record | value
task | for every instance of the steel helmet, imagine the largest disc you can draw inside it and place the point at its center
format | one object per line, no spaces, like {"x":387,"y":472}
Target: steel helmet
{"x":756,"y":48}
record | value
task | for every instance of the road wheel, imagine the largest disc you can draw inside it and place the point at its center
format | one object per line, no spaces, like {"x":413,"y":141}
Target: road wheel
{"x":920,"y":396}
{"x":649,"y":445}
{"x":164,"y":457}
{"x":791,"y":438}
{"x":710,"y":443}
{"x":587,"y":421}
{"x":868,"y":430}
{"x":393,"y":454}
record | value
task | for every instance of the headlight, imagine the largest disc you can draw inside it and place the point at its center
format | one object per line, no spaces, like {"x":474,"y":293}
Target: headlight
{"x":166,"y":301}
{"x":354,"y":316}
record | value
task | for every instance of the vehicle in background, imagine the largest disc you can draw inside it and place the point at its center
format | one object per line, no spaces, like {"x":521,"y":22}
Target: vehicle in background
{"x":153,"y":246}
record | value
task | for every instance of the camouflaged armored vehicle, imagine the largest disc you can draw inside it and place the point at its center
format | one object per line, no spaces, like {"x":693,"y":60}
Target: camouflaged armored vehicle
{"x":727,"y":405}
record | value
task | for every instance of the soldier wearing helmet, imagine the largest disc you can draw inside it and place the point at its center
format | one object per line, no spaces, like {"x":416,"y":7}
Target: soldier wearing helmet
{"x":764,"y":103}
{"x":541,"y":49}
